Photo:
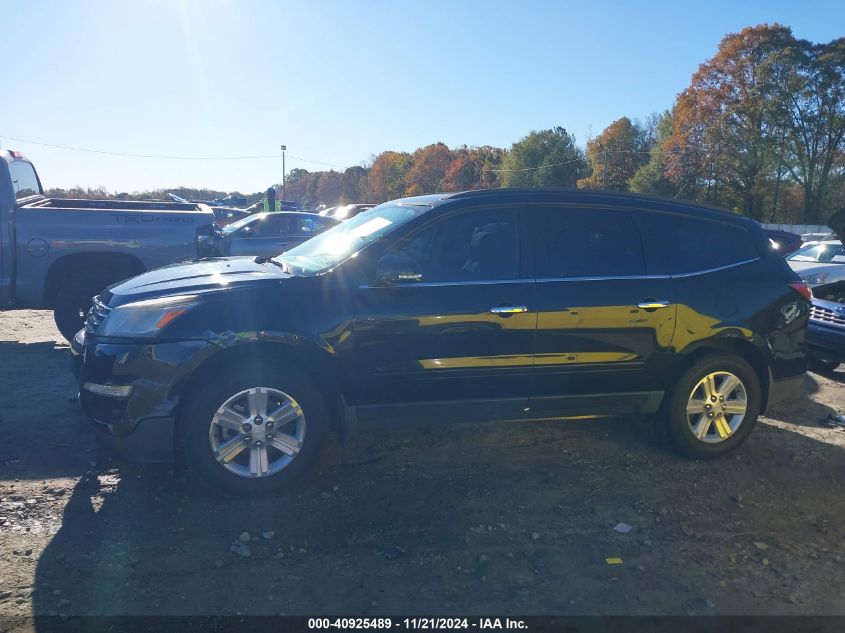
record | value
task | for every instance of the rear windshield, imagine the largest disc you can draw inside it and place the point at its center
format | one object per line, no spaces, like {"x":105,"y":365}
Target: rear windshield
{"x":24,"y":180}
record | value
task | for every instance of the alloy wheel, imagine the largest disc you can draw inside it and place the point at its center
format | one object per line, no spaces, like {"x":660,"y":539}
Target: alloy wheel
{"x":716,"y":407}
{"x":257,"y":432}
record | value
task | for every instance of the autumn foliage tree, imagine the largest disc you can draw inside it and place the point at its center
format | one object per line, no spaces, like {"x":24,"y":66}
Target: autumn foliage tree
{"x":615,"y":155}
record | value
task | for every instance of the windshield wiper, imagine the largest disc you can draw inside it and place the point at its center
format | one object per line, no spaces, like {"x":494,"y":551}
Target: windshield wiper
{"x":268,"y":259}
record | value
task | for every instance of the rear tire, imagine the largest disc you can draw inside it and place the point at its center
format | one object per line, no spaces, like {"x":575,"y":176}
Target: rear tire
{"x":204,"y":437}
{"x":73,"y":300}
{"x":819,"y":366}
{"x":714,"y":406}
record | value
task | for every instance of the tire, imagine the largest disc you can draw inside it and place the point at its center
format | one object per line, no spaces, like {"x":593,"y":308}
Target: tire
{"x":199,"y":430}
{"x":73,"y":299}
{"x":720,"y":435}
{"x":818,"y":366}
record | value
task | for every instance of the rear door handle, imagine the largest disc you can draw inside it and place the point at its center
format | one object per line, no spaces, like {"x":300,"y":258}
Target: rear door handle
{"x":653,"y":304}
{"x":508,"y":309}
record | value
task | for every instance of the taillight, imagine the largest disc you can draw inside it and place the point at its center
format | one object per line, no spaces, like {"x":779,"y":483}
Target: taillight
{"x":802,"y":289}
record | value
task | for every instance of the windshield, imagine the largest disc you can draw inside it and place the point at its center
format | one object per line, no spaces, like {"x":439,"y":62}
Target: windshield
{"x":234,"y":226}
{"x":820,"y":253}
{"x":340,"y":242}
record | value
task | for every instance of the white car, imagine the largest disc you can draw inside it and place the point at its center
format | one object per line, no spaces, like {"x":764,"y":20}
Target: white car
{"x":819,"y":262}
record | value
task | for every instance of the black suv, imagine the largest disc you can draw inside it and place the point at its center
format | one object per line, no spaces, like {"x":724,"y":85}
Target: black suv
{"x":489,"y":304}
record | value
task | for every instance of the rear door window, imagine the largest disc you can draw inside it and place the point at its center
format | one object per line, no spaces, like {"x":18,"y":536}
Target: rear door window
{"x":678,"y":244}
{"x":583,"y":242}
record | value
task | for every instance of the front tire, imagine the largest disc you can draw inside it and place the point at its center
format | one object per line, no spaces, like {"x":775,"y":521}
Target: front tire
{"x":714,"y":406}
{"x":253,"y":431}
{"x":73,"y":300}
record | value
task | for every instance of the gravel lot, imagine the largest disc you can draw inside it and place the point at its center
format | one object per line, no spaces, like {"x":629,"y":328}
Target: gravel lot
{"x":466,"y":519}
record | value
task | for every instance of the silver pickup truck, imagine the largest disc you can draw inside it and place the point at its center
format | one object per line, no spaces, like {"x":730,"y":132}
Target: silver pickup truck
{"x":59,"y":253}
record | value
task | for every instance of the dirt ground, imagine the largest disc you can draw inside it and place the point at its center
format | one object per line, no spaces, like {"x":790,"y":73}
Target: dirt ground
{"x":510,"y":518}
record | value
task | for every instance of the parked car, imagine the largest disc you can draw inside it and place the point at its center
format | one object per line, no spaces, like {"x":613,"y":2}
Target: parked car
{"x":784,"y":242}
{"x":223,"y":216}
{"x":58,"y":253}
{"x":826,"y":328}
{"x":271,"y":233}
{"x":348,"y":210}
{"x":514,"y":304}
{"x":819,"y":263}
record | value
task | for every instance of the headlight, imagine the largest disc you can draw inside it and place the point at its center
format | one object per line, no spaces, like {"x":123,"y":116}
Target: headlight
{"x":147,"y":318}
{"x":815,"y":279}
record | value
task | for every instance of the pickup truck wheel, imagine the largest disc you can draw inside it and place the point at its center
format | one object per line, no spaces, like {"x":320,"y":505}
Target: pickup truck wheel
{"x":713,"y":406}
{"x":251,"y":432}
{"x":819,"y":366}
{"x":73,"y":300}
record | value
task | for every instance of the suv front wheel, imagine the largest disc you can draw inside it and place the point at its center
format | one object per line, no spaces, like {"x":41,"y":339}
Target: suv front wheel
{"x":253,"y":431}
{"x":713,"y":406}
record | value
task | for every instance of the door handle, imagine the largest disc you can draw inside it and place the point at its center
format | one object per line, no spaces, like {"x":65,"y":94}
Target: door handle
{"x":508,"y":309}
{"x":653,"y":304}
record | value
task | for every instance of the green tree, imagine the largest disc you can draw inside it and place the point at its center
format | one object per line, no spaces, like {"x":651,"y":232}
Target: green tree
{"x":651,"y":177}
{"x":545,"y":158}
{"x":809,"y":106}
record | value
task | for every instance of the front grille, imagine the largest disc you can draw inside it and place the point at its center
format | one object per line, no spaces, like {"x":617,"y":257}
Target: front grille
{"x":96,"y":315}
{"x":824,"y":315}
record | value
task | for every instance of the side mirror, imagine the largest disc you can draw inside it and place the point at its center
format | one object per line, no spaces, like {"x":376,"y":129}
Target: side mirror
{"x":397,"y":269}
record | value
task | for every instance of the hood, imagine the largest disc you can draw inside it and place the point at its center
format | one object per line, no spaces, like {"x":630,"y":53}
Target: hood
{"x":194,"y":278}
{"x":831,"y":272}
{"x":837,"y":223}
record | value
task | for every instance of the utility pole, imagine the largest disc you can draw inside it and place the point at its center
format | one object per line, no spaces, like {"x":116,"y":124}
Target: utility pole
{"x":284,"y":147}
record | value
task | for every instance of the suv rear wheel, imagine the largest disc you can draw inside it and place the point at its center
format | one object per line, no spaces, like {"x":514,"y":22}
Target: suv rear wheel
{"x":713,"y":406}
{"x":253,"y":431}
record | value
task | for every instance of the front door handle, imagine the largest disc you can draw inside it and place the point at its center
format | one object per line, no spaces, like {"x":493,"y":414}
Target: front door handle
{"x":653,"y":304}
{"x":508,"y":309}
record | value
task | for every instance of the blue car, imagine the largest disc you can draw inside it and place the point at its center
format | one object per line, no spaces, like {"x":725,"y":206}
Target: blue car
{"x":826,"y":328}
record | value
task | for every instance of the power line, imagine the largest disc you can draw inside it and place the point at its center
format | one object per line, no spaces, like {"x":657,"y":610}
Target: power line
{"x":573,"y":160}
{"x":162,"y":156}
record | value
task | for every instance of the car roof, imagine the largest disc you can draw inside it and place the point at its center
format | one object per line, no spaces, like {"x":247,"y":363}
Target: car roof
{"x":586,"y":196}
{"x":303,"y":214}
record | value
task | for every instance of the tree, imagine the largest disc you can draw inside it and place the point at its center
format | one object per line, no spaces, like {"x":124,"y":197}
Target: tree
{"x":809,"y":107}
{"x":353,"y":185}
{"x":651,"y":177}
{"x":721,"y":148}
{"x":301,"y":188}
{"x":329,"y":188}
{"x":545,"y":158}
{"x":428,"y":168}
{"x":386,"y":178}
{"x":473,"y":168}
{"x":615,"y":155}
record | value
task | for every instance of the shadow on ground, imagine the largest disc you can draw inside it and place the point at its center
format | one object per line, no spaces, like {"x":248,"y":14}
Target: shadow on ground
{"x":469,"y":519}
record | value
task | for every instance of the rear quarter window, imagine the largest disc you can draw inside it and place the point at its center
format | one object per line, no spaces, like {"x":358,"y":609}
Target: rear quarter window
{"x":678,"y":244}
{"x":24,"y":180}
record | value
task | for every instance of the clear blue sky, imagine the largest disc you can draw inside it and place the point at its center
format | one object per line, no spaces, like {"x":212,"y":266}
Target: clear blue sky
{"x":339,"y":81}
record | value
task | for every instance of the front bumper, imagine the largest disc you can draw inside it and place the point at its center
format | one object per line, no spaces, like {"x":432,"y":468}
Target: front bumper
{"x":825,"y":342}
{"x":139,"y":426}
